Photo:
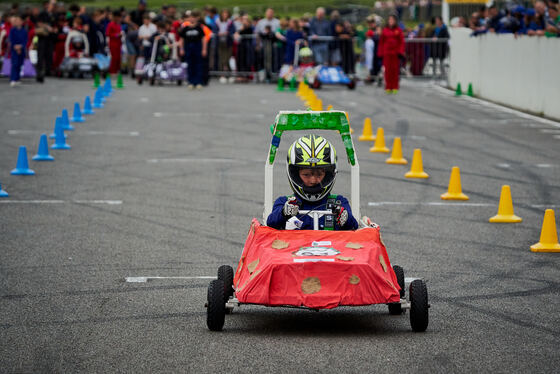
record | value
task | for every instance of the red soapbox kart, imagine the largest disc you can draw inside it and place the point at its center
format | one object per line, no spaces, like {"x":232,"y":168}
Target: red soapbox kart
{"x":315,"y":269}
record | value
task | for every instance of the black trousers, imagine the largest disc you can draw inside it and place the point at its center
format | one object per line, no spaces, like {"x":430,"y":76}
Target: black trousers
{"x":45,"y":48}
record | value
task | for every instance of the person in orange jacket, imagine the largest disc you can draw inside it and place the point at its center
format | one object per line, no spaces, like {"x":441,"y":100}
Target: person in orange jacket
{"x":391,"y":49}
{"x":114,"y":34}
{"x":194,"y":46}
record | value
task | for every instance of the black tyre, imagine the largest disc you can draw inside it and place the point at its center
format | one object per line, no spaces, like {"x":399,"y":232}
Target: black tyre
{"x":316,"y":84}
{"x":399,"y":272}
{"x":351,"y":85}
{"x":139,"y":80}
{"x":179,"y":82}
{"x":395,"y":308}
{"x":152,"y":81}
{"x":225,"y":274}
{"x":216,"y":308}
{"x":418,"y":305}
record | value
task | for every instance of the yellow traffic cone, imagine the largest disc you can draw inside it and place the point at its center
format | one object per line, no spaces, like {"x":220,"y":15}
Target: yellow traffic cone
{"x":299,"y":89}
{"x":454,"y":191}
{"x":379,"y":145}
{"x":396,"y":154}
{"x":329,"y":107}
{"x":318,"y":105}
{"x":549,"y":236}
{"x":505,"y":208}
{"x":367,"y":132}
{"x":417,"y":167}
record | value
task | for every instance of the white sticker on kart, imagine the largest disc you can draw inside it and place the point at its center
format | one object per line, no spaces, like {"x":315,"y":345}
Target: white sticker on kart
{"x":313,"y":259}
{"x":321,"y":244}
{"x":316,"y":251}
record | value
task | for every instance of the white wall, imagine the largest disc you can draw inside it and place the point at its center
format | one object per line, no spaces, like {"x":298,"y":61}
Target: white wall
{"x":522,"y":72}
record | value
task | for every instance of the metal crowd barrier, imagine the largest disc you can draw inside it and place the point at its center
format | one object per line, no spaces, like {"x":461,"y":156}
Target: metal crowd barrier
{"x":262,"y":58}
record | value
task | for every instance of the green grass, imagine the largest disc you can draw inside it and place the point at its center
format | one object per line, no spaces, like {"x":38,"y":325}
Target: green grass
{"x":282,"y":7}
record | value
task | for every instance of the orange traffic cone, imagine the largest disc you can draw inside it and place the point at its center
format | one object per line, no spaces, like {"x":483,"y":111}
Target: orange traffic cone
{"x":329,"y":107}
{"x":417,"y":167}
{"x":396,"y":154}
{"x":379,"y":145}
{"x":549,"y":236}
{"x":505,"y":208}
{"x":454,"y":191}
{"x":367,"y":133}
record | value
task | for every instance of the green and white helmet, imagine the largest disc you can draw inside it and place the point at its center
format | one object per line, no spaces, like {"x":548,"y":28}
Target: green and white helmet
{"x":311,"y":152}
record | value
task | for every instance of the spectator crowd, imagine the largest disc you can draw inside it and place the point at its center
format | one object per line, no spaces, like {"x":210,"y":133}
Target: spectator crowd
{"x":218,"y":41}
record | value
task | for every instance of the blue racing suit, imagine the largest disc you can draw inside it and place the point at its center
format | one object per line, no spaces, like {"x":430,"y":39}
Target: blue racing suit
{"x":277,"y":219}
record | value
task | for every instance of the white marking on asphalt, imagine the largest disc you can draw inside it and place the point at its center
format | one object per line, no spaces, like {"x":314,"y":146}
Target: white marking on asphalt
{"x":144,"y":99}
{"x":15,"y":112}
{"x":145,"y":279}
{"x":556,"y":136}
{"x":550,"y":131}
{"x":545,"y":206}
{"x":545,"y":165}
{"x":352,"y":103}
{"x":504,"y":166}
{"x":264,"y":101}
{"x":207,"y":114}
{"x":499,"y":107}
{"x":217,"y":160}
{"x":116,"y":133}
{"x":157,"y":114}
{"x":429,"y":203}
{"x":108,"y":202}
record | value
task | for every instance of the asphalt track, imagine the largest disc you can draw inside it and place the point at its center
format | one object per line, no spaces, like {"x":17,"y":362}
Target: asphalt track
{"x":164,"y":182}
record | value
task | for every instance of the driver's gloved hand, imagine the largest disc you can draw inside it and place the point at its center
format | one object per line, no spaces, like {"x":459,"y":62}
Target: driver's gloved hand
{"x":341,"y":215}
{"x":291,"y":207}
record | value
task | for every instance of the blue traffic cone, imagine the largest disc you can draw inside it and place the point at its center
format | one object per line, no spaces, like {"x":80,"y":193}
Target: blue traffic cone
{"x":2,"y":192}
{"x":97,"y":99}
{"x":53,"y":135}
{"x":43,"y":151}
{"x":77,"y":117}
{"x":66,"y":121}
{"x":87,"y":107}
{"x":22,"y":167}
{"x":102,"y":94}
{"x":60,"y":140}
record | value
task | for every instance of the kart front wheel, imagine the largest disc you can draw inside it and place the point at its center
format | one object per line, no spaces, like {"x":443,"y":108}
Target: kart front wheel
{"x":396,"y":308}
{"x":216,"y":308}
{"x":179,"y":82}
{"x":351,"y":85}
{"x":139,"y":80}
{"x":418,"y":305}
{"x":225,"y":274}
{"x":316,"y":84}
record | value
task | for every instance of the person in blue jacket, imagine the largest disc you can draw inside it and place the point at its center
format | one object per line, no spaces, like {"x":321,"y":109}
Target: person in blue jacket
{"x":18,"y":42}
{"x":311,"y":168}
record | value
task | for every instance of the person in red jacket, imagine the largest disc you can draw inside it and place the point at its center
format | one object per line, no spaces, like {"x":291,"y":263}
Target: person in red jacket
{"x":114,"y":33}
{"x":391,"y":48}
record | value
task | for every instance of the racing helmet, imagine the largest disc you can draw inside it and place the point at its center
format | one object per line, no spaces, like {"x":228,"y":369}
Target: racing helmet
{"x":311,"y":152}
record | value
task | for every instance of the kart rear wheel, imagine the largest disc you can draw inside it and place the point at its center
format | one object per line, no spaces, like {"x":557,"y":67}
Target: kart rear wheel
{"x":139,"y":80}
{"x":316,"y":84}
{"x":225,"y":274}
{"x":152,"y":81}
{"x":418,"y":305}
{"x":216,"y":308}
{"x":351,"y":85}
{"x":179,"y":82}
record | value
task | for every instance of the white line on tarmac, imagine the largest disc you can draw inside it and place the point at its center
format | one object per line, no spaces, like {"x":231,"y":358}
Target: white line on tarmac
{"x":549,"y":206}
{"x":504,"y":166}
{"x":206,"y":114}
{"x":217,"y":160}
{"x":116,"y":133}
{"x":430,"y":203}
{"x":500,"y":107}
{"x":550,"y":131}
{"x":107,"y":202}
{"x":145,"y":279}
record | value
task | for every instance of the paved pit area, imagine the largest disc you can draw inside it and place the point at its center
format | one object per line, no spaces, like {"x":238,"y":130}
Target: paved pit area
{"x":161,"y":185}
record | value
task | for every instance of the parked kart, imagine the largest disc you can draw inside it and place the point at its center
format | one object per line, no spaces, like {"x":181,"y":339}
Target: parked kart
{"x":78,"y":62}
{"x":315,"y":269}
{"x":331,"y":75}
{"x":164,"y":65}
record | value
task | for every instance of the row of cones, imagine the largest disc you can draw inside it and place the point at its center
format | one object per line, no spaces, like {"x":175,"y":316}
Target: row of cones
{"x":549,"y":238}
{"x":459,"y":90}
{"x":62,"y":124}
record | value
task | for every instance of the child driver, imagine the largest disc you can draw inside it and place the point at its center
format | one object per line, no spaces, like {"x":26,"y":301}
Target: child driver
{"x":311,"y":173}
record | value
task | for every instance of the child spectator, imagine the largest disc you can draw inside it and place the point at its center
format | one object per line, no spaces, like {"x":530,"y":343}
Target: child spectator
{"x":195,"y":46}
{"x":145,"y":33}
{"x":311,"y":173}
{"x":114,"y":33}
{"x":18,"y":41}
